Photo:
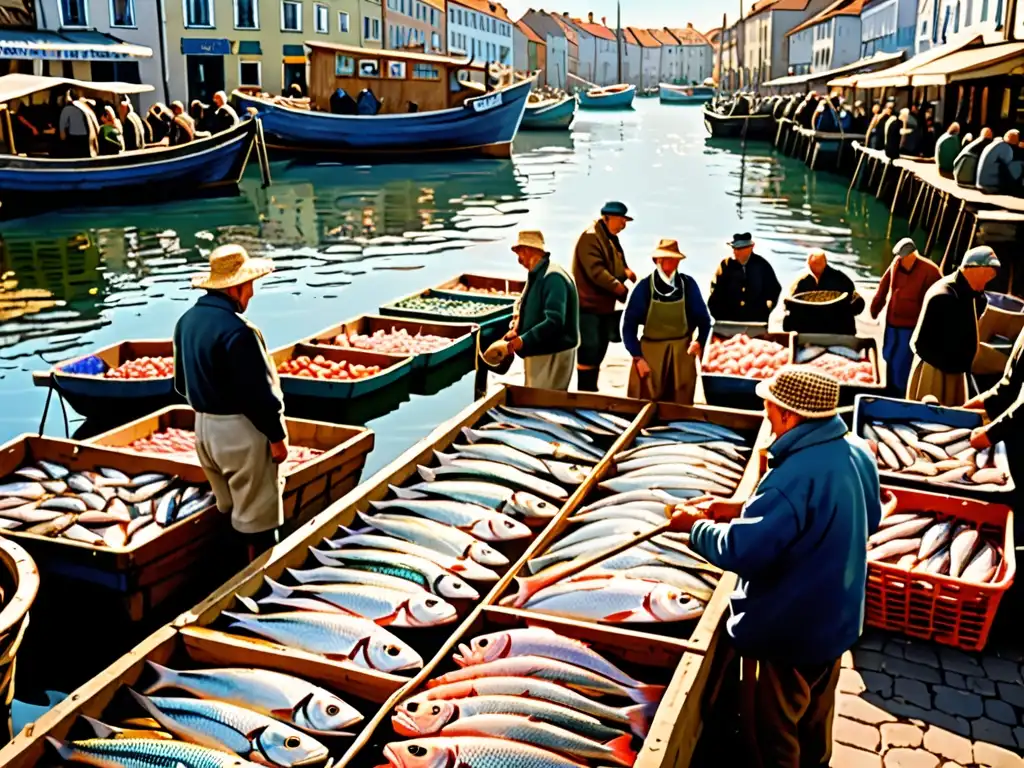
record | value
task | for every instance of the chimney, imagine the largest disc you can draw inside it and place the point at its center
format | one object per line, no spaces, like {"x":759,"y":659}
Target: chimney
{"x":604,"y":21}
{"x":590,"y":17}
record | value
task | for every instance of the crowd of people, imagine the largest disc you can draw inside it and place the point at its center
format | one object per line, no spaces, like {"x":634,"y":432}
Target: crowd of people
{"x":76,"y":126}
{"x":995,"y":165}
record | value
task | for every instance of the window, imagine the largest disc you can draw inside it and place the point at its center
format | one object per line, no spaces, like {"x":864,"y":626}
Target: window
{"x":321,"y":19}
{"x":291,"y":16}
{"x":425,"y":72}
{"x":73,"y":13}
{"x":343,"y":22}
{"x":344,"y":66}
{"x":122,"y":13}
{"x":247,"y":15}
{"x":435,"y":41}
{"x":371,"y":28}
{"x":249,"y":73}
{"x":198,"y":13}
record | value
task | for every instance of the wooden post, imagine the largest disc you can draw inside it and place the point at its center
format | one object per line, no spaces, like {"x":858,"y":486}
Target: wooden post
{"x":856,"y":175}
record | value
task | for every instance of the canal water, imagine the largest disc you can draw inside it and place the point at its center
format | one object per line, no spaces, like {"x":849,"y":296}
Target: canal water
{"x":347,"y":239}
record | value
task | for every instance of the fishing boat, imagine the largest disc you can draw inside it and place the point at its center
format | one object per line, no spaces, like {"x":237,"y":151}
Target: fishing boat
{"x":550,"y":115}
{"x":613,"y":97}
{"x":31,"y":178}
{"x":393,"y":104}
{"x":685,"y":94}
{"x":738,"y":126}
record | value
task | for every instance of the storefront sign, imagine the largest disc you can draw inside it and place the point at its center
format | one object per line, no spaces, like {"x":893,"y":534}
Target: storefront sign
{"x":22,"y":51}
{"x":191,"y":46}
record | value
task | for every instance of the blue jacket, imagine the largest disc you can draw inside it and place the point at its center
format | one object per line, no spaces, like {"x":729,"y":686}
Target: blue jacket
{"x":800,"y":547}
{"x":635,"y":314}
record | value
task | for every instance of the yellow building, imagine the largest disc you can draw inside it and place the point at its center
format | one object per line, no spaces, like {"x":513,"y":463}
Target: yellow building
{"x":215,"y":45}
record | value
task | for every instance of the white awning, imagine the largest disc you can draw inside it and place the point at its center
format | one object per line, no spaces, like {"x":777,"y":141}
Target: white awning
{"x":17,"y":85}
{"x":87,"y":45}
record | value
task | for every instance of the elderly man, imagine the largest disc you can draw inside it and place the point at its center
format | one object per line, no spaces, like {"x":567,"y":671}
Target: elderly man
{"x":601,"y":273}
{"x":965,"y":167}
{"x":1003,"y":405}
{"x":999,"y":170}
{"x":798,"y":545}
{"x":903,"y":286}
{"x":945,"y":341}
{"x":132,"y":127}
{"x":745,"y":288}
{"x":224,"y":116}
{"x":946,"y":150}
{"x":839,"y":317}
{"x":546,"y":331}
{"x":183,"y":126}
{"x":670,"y":308}
{"x":78,"y":128}
{"x":222,"y":368}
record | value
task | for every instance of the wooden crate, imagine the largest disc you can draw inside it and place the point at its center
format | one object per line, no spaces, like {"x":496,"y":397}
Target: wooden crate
{"x":308,"y":489}
{"x":501,"y":285}
{"x":392,"y":369}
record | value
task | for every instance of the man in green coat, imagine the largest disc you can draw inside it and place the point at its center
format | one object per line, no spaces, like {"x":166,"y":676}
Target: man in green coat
{"x":547,"y":329}
{"x":947,"y":148}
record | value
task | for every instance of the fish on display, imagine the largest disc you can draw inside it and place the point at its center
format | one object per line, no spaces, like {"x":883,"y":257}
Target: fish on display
{"x":145,"y":753}
{"x":469,"y":569}
{"x":493,"y":472}
{"x":533,"y":443}
{"x":472,"y":752}
{"x":562,"y":472}
{"x":423,"y":572}
{"x":481,"y":521}
{"x":617,"y":600}
{"x":496,"y":497}
{"x":439,"y":537}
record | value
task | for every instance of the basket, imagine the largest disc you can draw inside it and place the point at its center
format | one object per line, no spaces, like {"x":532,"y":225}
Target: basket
{"x":939,"y":608}
{"x":817,"y":298}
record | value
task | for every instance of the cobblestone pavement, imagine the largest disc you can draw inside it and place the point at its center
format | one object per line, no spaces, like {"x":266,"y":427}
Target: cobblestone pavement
{"x":910,"y":704}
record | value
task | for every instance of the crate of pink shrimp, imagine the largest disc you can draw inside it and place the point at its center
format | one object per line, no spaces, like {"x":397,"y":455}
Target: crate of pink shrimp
{"x":938,"y":566}
{"x":325,"y":461}
{"x":854,"y":360}
{"x":736,"y":358}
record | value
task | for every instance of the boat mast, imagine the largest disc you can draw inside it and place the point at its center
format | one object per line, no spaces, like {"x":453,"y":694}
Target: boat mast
{"x":618,"y":35}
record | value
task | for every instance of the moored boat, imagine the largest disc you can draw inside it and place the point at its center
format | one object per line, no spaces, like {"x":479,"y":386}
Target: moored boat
{"x":392,"y":104}
{"x":32,"y":179}
{"x":685,"y":94}
{"x":550,"y":115}
{"x":739,"y":126}
{"x":613,"y":97}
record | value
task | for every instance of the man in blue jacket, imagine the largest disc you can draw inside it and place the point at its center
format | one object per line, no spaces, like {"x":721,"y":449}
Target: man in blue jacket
{"x":799,"y":548}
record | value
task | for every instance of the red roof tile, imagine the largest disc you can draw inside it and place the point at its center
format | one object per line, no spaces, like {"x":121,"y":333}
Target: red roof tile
{"x":487,"y":7}
{"x":663,"y":36}
{"x":838,"y":8}
{"x":643,"y":37}
{"x":532,"y":36}
{"x":597,"y":30}
{"x":690,"y":36}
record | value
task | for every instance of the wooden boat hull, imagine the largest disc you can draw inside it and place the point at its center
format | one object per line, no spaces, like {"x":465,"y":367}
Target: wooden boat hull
{"x":30,"y":183}
{"x":484,"y":126}
{"x":608,"y":100}
{"x":681,"y":94}
{"x":759,"y":127}
{"x":550,"y":117}
{"x":393,"y":368}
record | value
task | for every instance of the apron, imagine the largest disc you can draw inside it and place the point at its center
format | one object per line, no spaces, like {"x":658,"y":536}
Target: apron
{"x":667,"y":335}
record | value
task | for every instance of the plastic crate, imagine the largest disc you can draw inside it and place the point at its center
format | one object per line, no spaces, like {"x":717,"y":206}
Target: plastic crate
{"x":939,"y":608}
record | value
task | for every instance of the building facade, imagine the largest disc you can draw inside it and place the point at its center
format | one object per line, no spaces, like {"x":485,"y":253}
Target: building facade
{"x":632,"y":58}
{"x":696,"y":55}
{"x":801,"y":46}
{"x":480,"y":29}
{"x":835,"y":38}
{"x":731,"y":42}
{"x":765,"y":41}
{"x":529,"y":53}
{"x":556,"y":46}
{"x":416,"y":24}
{"x":887,"y":26}
{"x":670,"y":61}
{"x":602,"y":61}
{"x":650,"y":56}
{"x":945,"y":21}
{"x":217,"y":45}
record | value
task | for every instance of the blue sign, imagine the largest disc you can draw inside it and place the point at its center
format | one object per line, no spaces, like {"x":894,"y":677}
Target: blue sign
{"x":193,"y":46}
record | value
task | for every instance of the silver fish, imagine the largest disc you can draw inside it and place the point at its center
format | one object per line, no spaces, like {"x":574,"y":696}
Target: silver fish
{"x":166,"y":507}
{"x":137,"y":524}
{"x":114,"y":535}
{"x":616,"y":600}
{"x":529,"y":443}
{"x":651,"y":513}
{"x":809,"y":352}
{"x":893,"y":548}
{"x":599,"y":530}
{"x":947,"y":437}
{"x":505,"y":454}
{"x":610,"y":421}
{"x":868,"y":433}
{"x":31,"y":473}
{"x":685,"y":450}
{"x":665,"y":482}
{"x":436,"y":536}
{"x":230,"y":728}
{"x":189,"y":493}
{"x":938,"y":563}
{"x":143,"y":493}
{"x":925,"y":426}
{"x":674,"y":469}
{"x":730,"y":451}
{"x":965,"y":539}
{"x":897,"y":446}
{"x":896,"y":518}
{"x":54,"y":470}
{"x":23,"y":489}
{"x":114,"y":474}
{"x":984,"y":457}
{"x":64,"y":504}
{"x":418,"y":570}
{"x":644,"y":462}
{"x":640,"y":495}
{"x":118,"y":509}
{"x":79,"y":483}
{"x":330,"y":575}
{"x":922,"y":468}
{"x":497,"y":497}
{"x":953,"y":475}
{"x":707,"y":429}
{"x":581,"y":440}
{"x":931,"y":451}
{"x":145,"y":753}
{"x":482,"y":522}
{"x":560,"y":418}
{"x":30,"y":513}
{"x":284,"y":697}
{"x":465,"y":567}
{"x":56,"y":487}
{"x":93,"y":501}
{"x":49,"y":528}
{"x":992,"y":475}
{"x":589,"y":547}
{"x":195,"y":505}
{"x":983,"y":565}
{"x":10,"y":502}
{"x":888,"y":456}
{"x":488,"y":469}
{"x":934,"y":538}
{"x":955,"y":449}
{"x":82,"y":534}
{"x":92,"y":517}
{"x":904,"y":530}
{"x":147,"y":478}
{"x":682,"y":579}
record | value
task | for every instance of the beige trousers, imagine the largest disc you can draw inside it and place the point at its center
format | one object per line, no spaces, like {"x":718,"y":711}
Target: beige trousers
{"x":236,"y":458}
{"x":950,"y":389}
{"x":550,"y":371}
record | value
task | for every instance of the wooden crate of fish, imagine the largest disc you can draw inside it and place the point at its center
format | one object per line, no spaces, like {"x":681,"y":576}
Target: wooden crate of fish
{"x":928,"y":446}
{"x":493,"y":285}
{"x":853,"y":360}
{"x":324,"y":460}
{"x":429,"y":537}
{"x":135,"y":525}
{"x":736,"y":357}
{"x":429,"y":344}
{"x":19,"y":584}
{"x":331,"y":373}
{"x":132,"y":377}
{"x":191,"y":698}
{"x":661,"y":586}
{"x":491,"y":312}
{"x":938,"y":568}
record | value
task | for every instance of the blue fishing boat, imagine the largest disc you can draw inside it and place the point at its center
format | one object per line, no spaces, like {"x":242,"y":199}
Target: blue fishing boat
{"x":550,"y":115}
{"x":31,"y":179}
{"x":613,"y":97}
{"x":394,"y":104}
{"x":685,"y":94}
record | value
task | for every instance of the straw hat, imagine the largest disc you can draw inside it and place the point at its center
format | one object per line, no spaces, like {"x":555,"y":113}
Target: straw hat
{"x":668,"y":249}
{"x":530,"y":238}
{"x":804,"y":391}
{"x":231,"y":265}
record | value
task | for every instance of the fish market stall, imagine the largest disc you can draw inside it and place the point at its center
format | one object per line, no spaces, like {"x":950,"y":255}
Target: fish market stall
{"x":854,"y":360}
{"x":19,"y":583}
{"x":495,"y":285}
{"x":736,"y":357}
{"x":928,"y":447}
{"x":324,"y":460}
{"x":492,"y":312}
{"x":429,"y":344}
{"x":132,"y":377}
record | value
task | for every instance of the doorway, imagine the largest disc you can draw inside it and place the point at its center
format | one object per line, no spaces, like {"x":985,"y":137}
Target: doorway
{"x":205,"y":77}
{"x":295,"y":73}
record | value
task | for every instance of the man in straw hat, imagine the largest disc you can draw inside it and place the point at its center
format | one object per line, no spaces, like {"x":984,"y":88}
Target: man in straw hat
{"x":904,"y":286}
{"x":798,"y":545}
{"x":222,"y":368}
{"x":671,"y":309}
{"x":945,"y":341}
{"x":745,"y":288}
{"x":546,"y":331}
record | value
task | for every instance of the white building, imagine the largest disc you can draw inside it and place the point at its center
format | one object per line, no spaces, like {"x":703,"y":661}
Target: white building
{"x":602,"y":61}
{"x":765,"y":45}
{"x":887,"y":26}
{"x":801,"y":45}
{"x":671,"y":58}
{"x":556,"y":46}
{"x":696,"y":55}
{"x":649,"y":59}
{"x":946,"y":21}
{"x":835,"y":36}
{"x":632,"y":57}
{"x":481,"y":29}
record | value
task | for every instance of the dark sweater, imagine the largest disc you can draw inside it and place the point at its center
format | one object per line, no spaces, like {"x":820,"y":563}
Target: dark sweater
{"x":697,"y":316}
{"x":946,"y":336}
{"x":744,"y":294}
{"x":840,"y":318}
{"x":965,"y":167}
{"x":221,"y":365}
{"x":1004,"y":403}
{"x":549,"y":313}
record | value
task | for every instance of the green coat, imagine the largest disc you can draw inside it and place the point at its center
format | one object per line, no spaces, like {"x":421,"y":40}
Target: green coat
{"x":549,"y":312}
{"x":946,"y":149}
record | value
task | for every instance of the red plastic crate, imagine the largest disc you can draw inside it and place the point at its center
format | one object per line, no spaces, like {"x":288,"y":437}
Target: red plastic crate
{"x":940,"y":608}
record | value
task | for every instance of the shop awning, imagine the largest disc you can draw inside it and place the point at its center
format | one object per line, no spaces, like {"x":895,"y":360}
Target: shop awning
{"x":86,"y":45}
{"x":788,"y":80}
{"x":17,"y":85}
{"x":899,"y":76}
{"x":972,"y":64}
{"x":872,"y":63}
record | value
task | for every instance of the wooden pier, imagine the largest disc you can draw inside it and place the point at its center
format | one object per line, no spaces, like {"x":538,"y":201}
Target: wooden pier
{"x":825,"y":149}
